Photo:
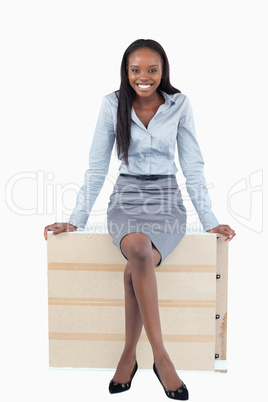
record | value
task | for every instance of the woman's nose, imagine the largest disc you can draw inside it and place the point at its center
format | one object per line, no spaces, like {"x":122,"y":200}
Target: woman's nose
{"x":144,"y":78}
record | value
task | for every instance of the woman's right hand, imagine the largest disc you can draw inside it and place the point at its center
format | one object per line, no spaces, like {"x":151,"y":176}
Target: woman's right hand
{"x":59,"y":228}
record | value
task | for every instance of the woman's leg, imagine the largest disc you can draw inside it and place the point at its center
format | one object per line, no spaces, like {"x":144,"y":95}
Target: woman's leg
{"x":133,"y":328}
{"x":133,"y":325}
{"x":137,"y":247}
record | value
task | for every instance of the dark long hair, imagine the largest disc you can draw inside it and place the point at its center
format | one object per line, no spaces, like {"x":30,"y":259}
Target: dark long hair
{"x":126,"y":93}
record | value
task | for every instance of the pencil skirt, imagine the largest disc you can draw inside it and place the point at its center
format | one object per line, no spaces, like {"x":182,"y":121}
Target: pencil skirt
{"x":152,"y":207}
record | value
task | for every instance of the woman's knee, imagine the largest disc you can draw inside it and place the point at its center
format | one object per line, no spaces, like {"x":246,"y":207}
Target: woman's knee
{"x":137,"y":246}
{"x":142,"y":252}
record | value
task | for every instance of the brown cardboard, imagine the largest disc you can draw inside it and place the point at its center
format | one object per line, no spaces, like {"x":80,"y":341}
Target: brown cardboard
{"x":86,"y":302}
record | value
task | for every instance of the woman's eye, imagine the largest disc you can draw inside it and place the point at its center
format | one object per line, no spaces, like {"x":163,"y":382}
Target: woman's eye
{"x":135,"y":70}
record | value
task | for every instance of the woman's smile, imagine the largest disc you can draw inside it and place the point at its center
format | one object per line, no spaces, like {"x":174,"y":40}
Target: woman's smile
{"x":145,"y":72}
{"x":144,"y":87}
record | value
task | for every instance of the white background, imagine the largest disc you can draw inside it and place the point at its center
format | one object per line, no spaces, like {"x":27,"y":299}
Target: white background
{"x":58,"y":59}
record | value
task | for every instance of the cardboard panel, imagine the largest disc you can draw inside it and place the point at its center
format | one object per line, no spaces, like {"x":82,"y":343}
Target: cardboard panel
{"x":73,"y":353}
{"x":110,"y":319}
{"x":86,"y":302}
{"x":98,"y":248}
{"x":222,"y":296}
{"x":178,"y":286}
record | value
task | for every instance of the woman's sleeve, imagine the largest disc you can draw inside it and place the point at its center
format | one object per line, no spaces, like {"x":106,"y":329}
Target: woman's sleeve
{"x":99,"y":160}
{"x":192,"y":165}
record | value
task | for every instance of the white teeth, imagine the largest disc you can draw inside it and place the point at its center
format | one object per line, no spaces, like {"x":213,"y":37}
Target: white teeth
{"x":143,"y":86}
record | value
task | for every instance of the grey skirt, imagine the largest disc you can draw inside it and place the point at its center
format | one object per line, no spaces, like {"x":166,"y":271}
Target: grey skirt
{"x":152,"y":207}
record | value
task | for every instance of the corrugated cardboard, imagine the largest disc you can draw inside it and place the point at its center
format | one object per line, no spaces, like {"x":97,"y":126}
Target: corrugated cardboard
{"x":86,"y":302}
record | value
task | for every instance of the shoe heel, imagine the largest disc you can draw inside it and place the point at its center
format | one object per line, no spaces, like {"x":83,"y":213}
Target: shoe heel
{"x":116,"y":387}
{"x":180,"y":393}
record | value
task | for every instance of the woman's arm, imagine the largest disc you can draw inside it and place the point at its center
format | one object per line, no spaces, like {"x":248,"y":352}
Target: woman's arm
{"x":99,"y":160}
{"x":192,"y":165}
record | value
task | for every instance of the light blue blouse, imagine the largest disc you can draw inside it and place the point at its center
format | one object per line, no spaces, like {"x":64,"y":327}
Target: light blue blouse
{"x":152,"y":151}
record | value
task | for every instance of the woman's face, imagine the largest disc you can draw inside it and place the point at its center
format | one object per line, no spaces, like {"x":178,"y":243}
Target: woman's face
{"x":145,"y":72}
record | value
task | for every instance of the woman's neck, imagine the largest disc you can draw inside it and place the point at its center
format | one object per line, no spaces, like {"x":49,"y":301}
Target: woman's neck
{"x":151,"y":102}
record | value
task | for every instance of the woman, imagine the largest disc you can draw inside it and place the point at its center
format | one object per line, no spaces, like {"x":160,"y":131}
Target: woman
{"x":146,"y":217}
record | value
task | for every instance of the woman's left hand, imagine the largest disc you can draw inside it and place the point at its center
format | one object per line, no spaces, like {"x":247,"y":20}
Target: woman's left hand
{"x":224,"y":230}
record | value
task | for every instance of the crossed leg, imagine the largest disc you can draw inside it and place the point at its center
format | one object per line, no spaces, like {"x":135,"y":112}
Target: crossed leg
{"x":141,"y":308}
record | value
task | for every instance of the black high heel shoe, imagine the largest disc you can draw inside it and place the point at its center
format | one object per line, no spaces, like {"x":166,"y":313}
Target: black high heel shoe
{"x":180,"y":393}
{"x":116,"y":387}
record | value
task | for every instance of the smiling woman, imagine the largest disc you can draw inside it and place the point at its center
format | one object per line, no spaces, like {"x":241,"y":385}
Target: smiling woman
{"x":144,"y":63}
{"x":141,"y":74}
{"x":144,"y":78}
{"x":146,"y":217}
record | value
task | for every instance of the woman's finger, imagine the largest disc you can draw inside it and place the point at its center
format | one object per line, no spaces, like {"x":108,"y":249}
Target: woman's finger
{"x":225,"y":230}
{"x":228,"y":232}
{"x":59,"y":230}
{"x":49,"y":227}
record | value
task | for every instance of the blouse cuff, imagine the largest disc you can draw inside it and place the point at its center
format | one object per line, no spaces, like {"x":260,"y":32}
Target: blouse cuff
{"x":209,"y":221}
{"x":79,"y":219}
